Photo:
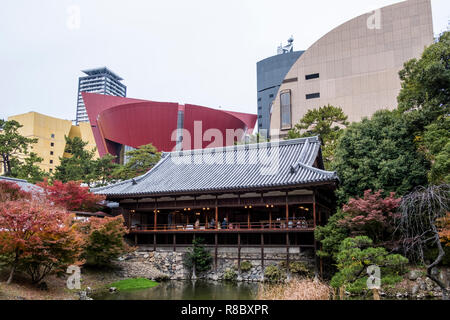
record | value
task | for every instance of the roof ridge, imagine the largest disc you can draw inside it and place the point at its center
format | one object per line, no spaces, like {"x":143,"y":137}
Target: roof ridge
{"x":139,"y":178}
{"x":14,"y":179}
{"x":313,"y":139}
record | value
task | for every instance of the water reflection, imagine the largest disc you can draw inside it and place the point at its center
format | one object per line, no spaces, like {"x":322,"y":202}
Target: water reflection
{"x":188,"y":290}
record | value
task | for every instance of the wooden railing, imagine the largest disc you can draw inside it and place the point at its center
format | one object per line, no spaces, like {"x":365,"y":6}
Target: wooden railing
{"x":263,"y":225}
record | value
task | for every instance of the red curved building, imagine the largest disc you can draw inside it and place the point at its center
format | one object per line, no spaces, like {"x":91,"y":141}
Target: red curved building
{"x":123,"y":122}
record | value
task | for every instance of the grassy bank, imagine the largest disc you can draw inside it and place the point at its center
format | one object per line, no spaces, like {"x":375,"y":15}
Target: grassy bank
{"x":133,"y":284}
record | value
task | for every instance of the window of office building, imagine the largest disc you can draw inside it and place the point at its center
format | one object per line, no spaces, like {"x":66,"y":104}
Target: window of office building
{"x":51,"y":153}
{"x":312,"y":76}
{"x":52,"y":144}
{"x":53,"y":135}
{"x":51,"y":161}
{"x":313,"y":96}
{"x":285,"y":98}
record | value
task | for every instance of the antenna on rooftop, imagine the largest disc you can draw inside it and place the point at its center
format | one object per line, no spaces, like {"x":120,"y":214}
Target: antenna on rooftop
{"x":287,"y":48}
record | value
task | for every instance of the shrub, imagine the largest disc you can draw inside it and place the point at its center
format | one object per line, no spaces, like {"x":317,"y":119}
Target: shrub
{"x":10,"y":191}
{"x":296,"y":267}
{"x":246,"y":266}
{"x":103,"y":240}
{"x":296,"y":289}
{"x":273,"y":273}
{"x":230,"y":275}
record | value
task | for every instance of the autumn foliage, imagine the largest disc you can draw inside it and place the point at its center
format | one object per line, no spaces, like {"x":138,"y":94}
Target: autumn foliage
{"x":71,"y":196}
{"x":10,"y":191}
{"x":444,"y":229}
{"x":103,"y":239}
{"x":37,"y":237}
{"x":371,"y":215}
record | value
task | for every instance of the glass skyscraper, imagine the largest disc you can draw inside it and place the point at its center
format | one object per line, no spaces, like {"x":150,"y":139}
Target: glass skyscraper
{"x":101,"y":81}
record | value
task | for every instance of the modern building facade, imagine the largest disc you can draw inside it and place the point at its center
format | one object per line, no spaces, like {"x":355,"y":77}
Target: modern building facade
{"x":355,"y":66}
{"x":101,"y":81}
{"x":50,"y":133}
{"x":270,"y":75}
{"x":119,"y":124}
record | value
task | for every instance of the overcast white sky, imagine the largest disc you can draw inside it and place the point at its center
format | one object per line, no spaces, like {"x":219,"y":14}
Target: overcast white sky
{"x":198,"y":51}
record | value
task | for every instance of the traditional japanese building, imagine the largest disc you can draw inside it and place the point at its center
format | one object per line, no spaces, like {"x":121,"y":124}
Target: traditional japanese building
{"x":263,"y":196}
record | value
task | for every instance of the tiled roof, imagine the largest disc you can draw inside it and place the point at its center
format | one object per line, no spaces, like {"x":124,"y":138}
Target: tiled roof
{"x":257,"y":166}
{"x":23,"y":184}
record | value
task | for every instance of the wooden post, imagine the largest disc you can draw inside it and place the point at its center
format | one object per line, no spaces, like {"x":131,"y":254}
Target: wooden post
{"x":315,"y":242}
{"x":270,"y":217}
{"x":174,"y":242}
{"x":239,"y":253}
{"x":155,"y":219}
{"x":154,"y":242}
{"x":135,"y":239}
{"x":287,"y":209}
{"x":216,"y":242}
{"x":262,"y":252}
{"x":287,"y":252}
{"x":248,"y":219}
{"x":217,"y":213}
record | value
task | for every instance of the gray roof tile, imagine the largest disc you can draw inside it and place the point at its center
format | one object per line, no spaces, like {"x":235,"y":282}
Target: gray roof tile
{"x":229,"y":168}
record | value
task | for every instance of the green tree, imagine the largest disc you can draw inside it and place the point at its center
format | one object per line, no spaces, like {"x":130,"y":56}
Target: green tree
{"x":12,"y":144}
{"x":353,"y":258}
{"x":28,"y":169}
{"x":253,"y":139}
{"x":140,"y":161}
{"x":424,"y":101}
{"x":328,"y":122}
{"x":436,"y":147}
{"x":379,"y":154}
{"x":331,"y":235}
{"x":79,"y":166}
{"x":104,"y":169}
{"x":425,"y":93}
{"x":198,"y":259}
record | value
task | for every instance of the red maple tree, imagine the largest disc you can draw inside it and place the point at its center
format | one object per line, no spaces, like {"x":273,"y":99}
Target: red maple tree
{"x":372,"y":215}
{"x":38,"y":238}
{"x":10,"y":191}
{"x":71,"y":196}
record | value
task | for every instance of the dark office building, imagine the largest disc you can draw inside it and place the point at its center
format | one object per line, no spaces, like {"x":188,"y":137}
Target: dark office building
{"x":270,"y":74}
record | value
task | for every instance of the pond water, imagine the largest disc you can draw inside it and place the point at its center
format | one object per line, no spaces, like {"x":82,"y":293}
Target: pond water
{"x":187,"y":290}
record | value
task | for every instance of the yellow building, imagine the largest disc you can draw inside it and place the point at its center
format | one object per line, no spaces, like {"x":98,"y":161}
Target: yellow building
{"x":50,"y":133}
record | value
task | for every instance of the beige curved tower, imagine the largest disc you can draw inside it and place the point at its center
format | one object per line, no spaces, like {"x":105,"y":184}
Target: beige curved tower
{"x":355,"y":66}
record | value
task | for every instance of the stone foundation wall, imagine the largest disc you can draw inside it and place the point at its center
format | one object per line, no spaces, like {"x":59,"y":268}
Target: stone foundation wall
{"x":170,"y":265}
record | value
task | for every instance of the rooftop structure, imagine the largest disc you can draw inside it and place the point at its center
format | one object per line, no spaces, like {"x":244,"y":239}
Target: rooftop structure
{"x":100,"y":81}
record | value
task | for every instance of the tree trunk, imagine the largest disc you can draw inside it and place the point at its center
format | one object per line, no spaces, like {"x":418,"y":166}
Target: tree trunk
{"x":445,"y":294}
{"x":11,"y":274}
{"x":194,"y":276}
{"x":13,"y":269}
{"x":341,"y":293}
{"x":376,"y":294}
